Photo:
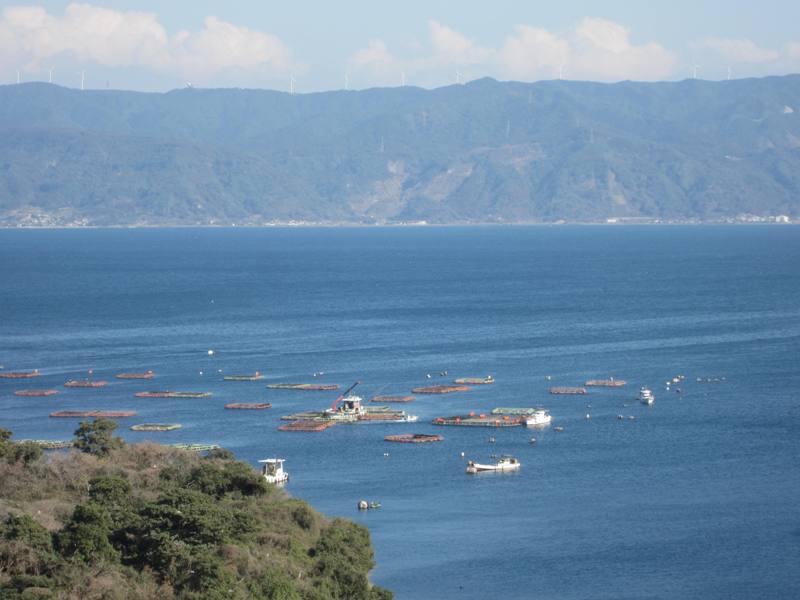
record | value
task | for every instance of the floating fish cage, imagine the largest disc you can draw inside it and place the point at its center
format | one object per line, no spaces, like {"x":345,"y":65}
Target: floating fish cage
{"x":48,"y":444}
{"x":568,"y":390}
{"x":522,"y":412}
{"x":390,"y":399}
{"x":156,"y":427}
{"x":35,"y":393}
{"x":306,"y":387}
{"x":441,"y":389}
{"x":248,"y":406}
{"x":145,"y":375}
{"x":196,"y":447}
{"x":480,"y":420}
{"x":98,"y":414}
{"x":413,"y":438}
{"x":85,"y":383}
{"x":605,"y":383}
{"x":306,"y":425}
{"x":475,"y":380}
{"x":168,"y":394}
{"x":254,"y":377}
{"x":20,"y":374}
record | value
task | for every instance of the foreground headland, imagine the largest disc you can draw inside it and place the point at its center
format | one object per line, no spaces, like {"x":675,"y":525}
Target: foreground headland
{"x":142,"y":521}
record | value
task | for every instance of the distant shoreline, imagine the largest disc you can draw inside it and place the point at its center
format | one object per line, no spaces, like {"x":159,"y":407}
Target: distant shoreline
{"x":407,"y":225}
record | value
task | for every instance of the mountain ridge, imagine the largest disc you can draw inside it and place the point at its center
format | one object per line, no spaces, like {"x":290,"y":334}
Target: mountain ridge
{"x":482,"y":152}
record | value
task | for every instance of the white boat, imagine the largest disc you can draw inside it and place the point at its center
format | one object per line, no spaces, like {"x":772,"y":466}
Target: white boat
{"x":272,"y":471}
{"x":538,"y":418}
{"x":506,"y":463}
{"x":346,"y":409}
{"x":646,"y":396}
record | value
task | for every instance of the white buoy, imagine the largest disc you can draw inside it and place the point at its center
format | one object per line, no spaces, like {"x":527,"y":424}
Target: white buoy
{"x":201,"y":372}
{"x":462,"y":455}
{"x":211,"y":353}
{"x":588,"y":416}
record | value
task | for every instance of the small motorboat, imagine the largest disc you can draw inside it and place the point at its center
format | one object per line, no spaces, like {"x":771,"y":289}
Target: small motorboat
{"x":506,"y":463}
{"x":272,"y":471}
{"x":646,"y":396}
{"x":538,"y":417}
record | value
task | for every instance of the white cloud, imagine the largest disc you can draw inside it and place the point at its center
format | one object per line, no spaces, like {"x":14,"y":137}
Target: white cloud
{"x":532,"y":52}
{"x":32,"y":37}
{"x":602,"y":50}
{"x":793,"y":51}
{"x":739,"y":50}
{"x":595,"y":49}
{"x":375,"y":55}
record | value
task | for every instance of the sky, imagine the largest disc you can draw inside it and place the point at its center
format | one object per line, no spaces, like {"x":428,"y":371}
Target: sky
{"x":355,"y":44}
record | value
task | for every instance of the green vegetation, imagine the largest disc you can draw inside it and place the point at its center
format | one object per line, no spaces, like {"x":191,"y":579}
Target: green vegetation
{"x":97,"y":437}
{"x":147,"y":521}
{"x":486,"y":151}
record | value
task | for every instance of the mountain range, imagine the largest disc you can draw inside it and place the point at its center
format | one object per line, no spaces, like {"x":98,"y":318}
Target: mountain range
{"x":482,"y":152}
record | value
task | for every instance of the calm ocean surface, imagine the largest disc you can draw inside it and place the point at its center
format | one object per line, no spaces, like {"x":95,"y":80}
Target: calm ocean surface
{"x":698,"y":497}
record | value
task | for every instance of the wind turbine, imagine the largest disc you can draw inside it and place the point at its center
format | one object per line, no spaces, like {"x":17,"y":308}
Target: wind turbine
{"x":458,"y":76}
{"x":291,"y":84}
{"x":18,"y":78}
{"x":50,"y":80}
{"x":561,"y":71}
{"x":403,"y":78}
{"x":83,"y":79}
{"x":346,"y":80}
{"x":695,"y":68}
{"x":730,"y":71}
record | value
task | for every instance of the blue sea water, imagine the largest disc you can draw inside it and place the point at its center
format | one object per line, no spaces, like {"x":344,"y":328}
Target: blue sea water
{"x":697,"y":497}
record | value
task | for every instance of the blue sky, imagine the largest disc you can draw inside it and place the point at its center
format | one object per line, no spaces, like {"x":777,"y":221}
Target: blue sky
{"x":148,"y":45}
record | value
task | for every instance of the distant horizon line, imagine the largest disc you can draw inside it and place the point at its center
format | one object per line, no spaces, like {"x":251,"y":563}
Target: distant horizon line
{"x":192,"y":87}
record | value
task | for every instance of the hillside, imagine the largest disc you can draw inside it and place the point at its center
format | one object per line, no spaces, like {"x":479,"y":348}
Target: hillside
{"x":482,"y":152}
{"x":149,"y":521}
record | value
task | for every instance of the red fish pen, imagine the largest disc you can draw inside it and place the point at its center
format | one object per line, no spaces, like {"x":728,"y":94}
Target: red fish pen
{"x":20,"y":374}
{"x":441,"y":389}
{"x":385,"y":399}
{"x":35,"y":393}
{"x":248,"y":405}
{"x":413,"y":438}
{"x":306,"y":426}
{"x":110,"y":414}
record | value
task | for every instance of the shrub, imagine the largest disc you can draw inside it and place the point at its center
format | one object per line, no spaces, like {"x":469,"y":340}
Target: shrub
{"x":97,"y":437}
{"x":85,"y":536}
{"x":274,"y":585}
{"x":303,"y":516}
{"x":217,"y":480}
{"x":344,"y":557}
{"x":25,"y":452}
{"x":220,"y":454}
{"x":110,"y":490}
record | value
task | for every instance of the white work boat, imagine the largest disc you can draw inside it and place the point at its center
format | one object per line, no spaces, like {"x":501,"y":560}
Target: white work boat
{"x":538,"y":418}
{"x":506,"y":463}
{"x":646,"y":396}
{"x":272,"y":471}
